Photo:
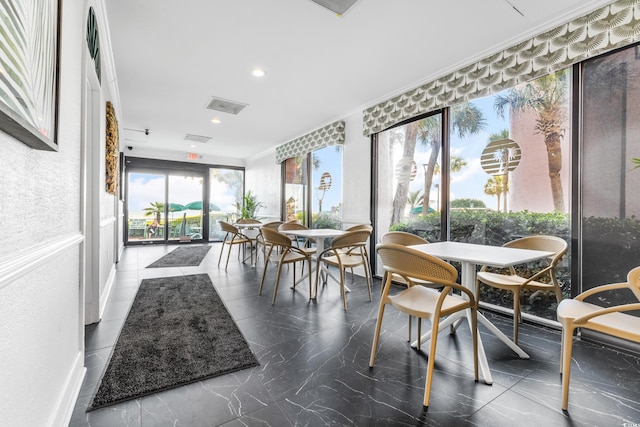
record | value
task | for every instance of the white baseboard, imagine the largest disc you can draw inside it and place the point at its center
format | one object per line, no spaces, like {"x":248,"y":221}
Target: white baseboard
{"x":69,"y":393}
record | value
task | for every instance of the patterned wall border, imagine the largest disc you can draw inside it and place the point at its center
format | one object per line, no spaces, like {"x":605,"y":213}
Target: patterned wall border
{"x":332,"y":134}
{"x":610,"y":27}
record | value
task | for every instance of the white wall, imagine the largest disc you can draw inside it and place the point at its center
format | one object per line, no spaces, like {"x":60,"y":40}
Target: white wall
{"x":356,"y":170}
{"x":263,"y":178}
{"x":41,"y":315}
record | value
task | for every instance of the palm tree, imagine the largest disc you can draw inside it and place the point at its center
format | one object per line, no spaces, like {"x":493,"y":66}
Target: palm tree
{"x":466,"y":118}
{"x":504,"y":182}
{"x":547,"y":97}
{"x":157,"y":209}
{"x":495,"y":186}
{"x":414,"y":198}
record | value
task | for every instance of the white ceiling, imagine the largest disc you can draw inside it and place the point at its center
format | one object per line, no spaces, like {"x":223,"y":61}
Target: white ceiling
{"x":171,"y":57}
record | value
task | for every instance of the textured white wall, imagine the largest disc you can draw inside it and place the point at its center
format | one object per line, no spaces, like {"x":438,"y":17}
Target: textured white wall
{"x":41,"y":323}
{"x":356,"y":167}
{"x":262,"y":177}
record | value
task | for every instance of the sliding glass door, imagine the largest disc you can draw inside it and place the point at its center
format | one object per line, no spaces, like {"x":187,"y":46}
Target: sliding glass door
{"x":171,"y":202}
{"x":146,"y":207}
{"x":185,"y":209}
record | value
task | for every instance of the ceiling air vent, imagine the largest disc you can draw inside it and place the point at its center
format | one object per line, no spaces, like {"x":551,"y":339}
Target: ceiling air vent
{"x":336,"y":6}
{"x":226,"y":106}
{"x":197,"y":138}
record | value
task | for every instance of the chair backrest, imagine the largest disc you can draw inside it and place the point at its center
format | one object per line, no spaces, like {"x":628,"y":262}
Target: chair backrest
{"x":274,"y":237}
{"x":542,"y":243}
{"x":227,"y":228}
{"x":402,"y":238}
{"x":633,"y":278}
{"x":248,"y":221}
{"x":413,"y":264}
{"x":351,"y":238}
{"x":292,"y":226}
{"x":273,"y":225}
{"x":360,"y":227}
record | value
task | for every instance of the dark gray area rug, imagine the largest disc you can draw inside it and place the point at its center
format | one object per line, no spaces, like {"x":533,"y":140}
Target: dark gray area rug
{"x":183,"y":256}
{"x":178,"y":331}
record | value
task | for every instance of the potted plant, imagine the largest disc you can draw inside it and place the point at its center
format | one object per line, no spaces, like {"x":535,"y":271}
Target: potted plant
{"x":249,"y":207}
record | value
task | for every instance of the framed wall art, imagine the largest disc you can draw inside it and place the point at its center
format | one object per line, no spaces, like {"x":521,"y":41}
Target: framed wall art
{"x":29,"y":63}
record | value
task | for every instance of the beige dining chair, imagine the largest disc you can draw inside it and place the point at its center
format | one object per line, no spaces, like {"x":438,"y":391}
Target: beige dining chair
{"x":613,"y":320}
{"x":289,"y":254}
{"x":260,"y":240}
{"x":400,"y":238}
{"x":542,"y":280}
{"x":303,"y":244}
{"x":424,"y":302}
{"x":346,"y":251}
{"x":360,"y":227}
{"x":233,"y":237}
{"x":368,"y":227}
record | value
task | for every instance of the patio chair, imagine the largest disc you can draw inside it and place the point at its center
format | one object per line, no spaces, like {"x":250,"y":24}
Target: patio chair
{"x":423,"y":302}
{"x":260,"y":239}
{"x":614,"y":320}
{"x":233,"y":237}
{"x":289,"y":254}
{"x":400,"y":238}
{"x":303,"y":244}
{"x":542,"y":280}
{"x":348,"y":250}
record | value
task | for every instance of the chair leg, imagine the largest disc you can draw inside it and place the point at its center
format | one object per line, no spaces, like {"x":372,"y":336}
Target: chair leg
{"x":567,"y":347}
{"x":474,"y":326}
{"x":376,"y":335}
{"x":275,"y":290}
{"x":221,"y":251}
{"x":264,"y":272}
{"x":367,"y":273}
{"x":228,"y":256}
{"x":431,"y":362}
{"x":516,"y":315}
{"x":342,"y":291}
{"x":310,"y":280}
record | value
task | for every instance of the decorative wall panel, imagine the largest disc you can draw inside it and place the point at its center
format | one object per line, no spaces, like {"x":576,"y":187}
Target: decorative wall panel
{"x":112,"y":151}
{"x":605,"y":29}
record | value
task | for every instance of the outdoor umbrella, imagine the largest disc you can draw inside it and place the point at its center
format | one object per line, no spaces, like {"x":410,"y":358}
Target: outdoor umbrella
{"x":197,"y":206}
{"x":175,"y":207}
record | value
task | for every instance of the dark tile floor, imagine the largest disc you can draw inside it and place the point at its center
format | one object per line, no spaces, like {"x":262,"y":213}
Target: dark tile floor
{"x":314,"y":366}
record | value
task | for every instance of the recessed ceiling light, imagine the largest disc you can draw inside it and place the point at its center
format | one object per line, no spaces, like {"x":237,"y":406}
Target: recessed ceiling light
{"x":257,"y":72}
{"x":216,"y":120}
{"x":192,"y":146}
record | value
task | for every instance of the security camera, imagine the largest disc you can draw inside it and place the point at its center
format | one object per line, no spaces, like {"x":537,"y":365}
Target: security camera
{"x":129,"y":147}
{"x":146,"y":132}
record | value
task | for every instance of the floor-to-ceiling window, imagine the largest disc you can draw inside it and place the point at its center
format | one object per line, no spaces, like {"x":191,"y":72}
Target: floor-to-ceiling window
{"x":501,"y":170}
{"x":408,"y":179}
{"x":609,"y":179}
{"x":295,"y":189}
{"x":326,"y":178}
{"x":512,"y":177}
{"x":314,"y":180}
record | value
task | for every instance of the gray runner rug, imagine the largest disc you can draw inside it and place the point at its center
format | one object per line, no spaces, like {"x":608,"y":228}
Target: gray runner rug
{"x":177,"y":331}
{"x":182,"y":256}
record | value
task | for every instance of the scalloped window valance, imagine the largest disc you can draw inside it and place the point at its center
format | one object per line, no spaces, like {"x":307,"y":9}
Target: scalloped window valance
{"x":332,"y":134}
{"x":610,"y":27}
